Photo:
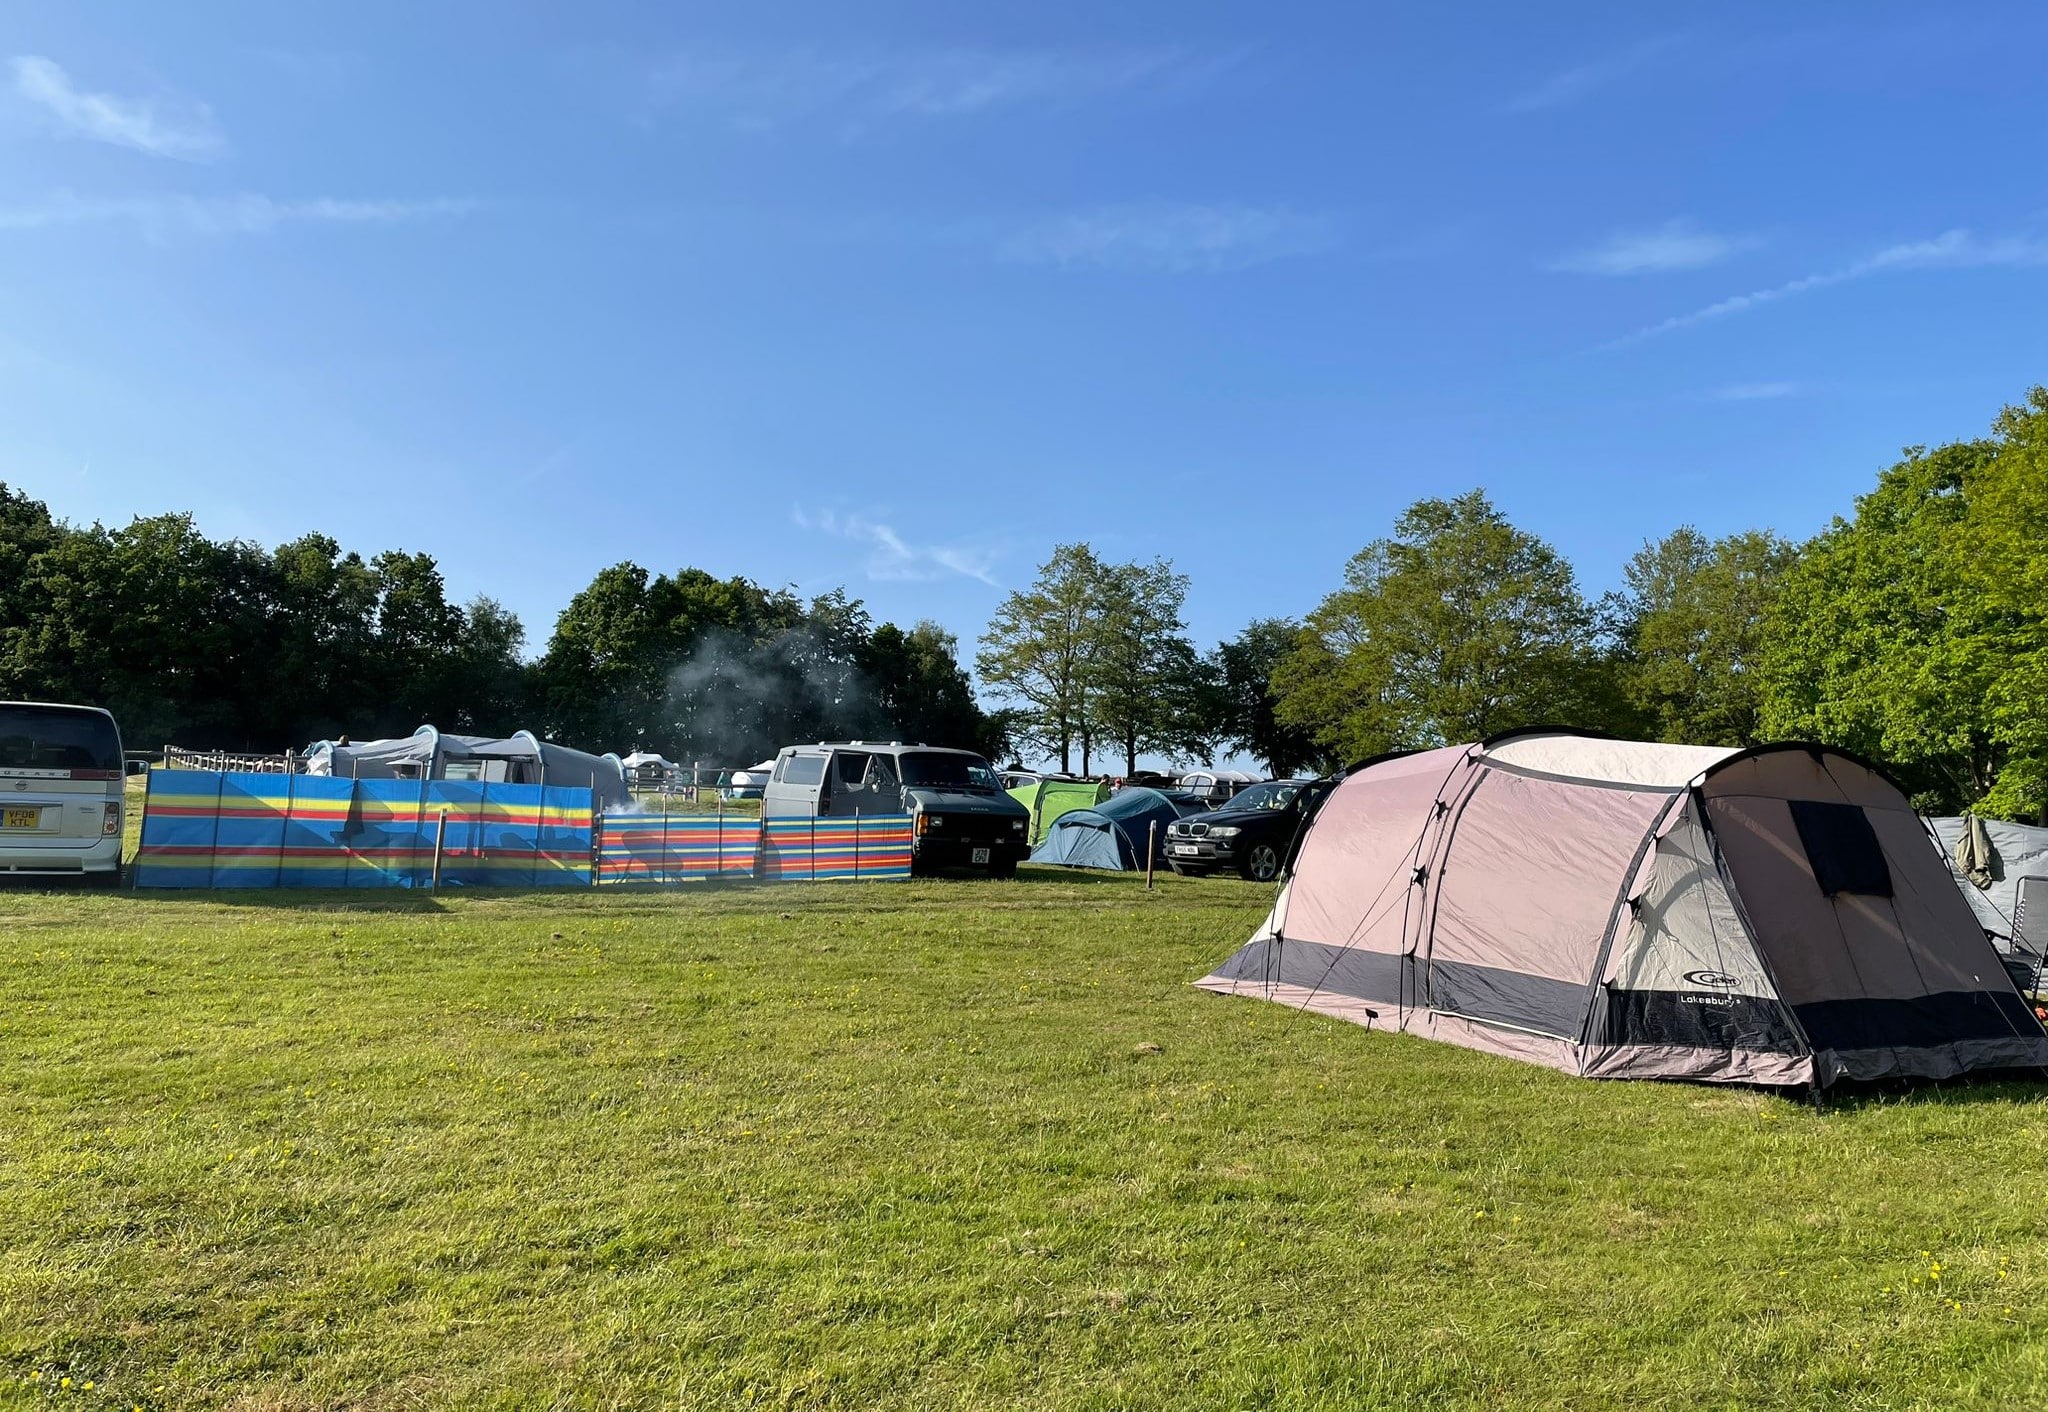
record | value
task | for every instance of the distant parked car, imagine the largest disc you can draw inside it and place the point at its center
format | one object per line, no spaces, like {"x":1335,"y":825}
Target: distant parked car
{"x":748,"y":783}
{"x":1017,"y":779}
{"x":1255,"y":834}
{"x":1216,"y":786}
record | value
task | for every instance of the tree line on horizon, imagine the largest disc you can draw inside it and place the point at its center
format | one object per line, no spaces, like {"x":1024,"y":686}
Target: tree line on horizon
{"x":226,"y":645}
{"x":1914,"y":632}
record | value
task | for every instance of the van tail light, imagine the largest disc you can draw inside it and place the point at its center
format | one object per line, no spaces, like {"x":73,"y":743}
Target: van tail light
{"x":110,"y":822}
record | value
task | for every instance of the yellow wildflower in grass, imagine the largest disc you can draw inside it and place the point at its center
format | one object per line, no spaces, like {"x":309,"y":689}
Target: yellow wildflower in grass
{"x":88,"y":1384}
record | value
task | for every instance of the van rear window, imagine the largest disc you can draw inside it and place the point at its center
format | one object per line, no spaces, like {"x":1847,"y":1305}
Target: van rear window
{"x":803,"y":769}
{"x":51,"y":738}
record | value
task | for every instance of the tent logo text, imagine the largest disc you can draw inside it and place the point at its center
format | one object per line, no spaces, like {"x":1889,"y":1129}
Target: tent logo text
{"x":1709,"y":978}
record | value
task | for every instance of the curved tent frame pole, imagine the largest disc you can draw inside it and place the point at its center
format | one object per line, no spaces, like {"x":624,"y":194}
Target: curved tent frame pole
{"x":432,"y":768}
{"x":540,"y":756}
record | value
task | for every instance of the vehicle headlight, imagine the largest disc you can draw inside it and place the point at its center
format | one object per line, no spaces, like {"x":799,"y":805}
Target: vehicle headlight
{"x":1225,"y":832}
{"x":1016,"y":826}
{"x":937,"y":821}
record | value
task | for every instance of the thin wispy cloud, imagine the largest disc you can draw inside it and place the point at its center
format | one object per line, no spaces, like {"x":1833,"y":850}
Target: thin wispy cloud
{"x":245,"y":214}
{"x":891,"y":557}
{"x":1676,"y":245}
{"x":765,"y":90}
{"x":1171,"y":238}
{"x":1570,"y":85}
{"x":1951,"y":250}
{"x":1753,"y":391}
{"x":183,"y":130}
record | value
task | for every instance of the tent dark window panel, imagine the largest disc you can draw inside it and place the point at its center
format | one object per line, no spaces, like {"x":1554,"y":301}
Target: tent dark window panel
{"x":1842,"y":847}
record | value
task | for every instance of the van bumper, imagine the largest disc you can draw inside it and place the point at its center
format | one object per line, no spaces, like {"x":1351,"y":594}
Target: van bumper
{"x":53,"y":861}
{"x":932,"y":852}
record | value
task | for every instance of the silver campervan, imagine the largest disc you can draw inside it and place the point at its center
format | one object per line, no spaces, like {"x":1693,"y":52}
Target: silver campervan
{"x":61,"y":805}
{"x":960,"y":816}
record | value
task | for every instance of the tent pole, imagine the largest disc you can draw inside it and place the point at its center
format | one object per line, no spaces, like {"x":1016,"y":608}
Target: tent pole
{"x":440,"y":836}
{"x":1151,"y":842}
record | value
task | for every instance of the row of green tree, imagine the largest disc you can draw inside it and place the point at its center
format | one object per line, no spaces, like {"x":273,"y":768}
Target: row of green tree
{"x":1914,"y":632}
{"x":224,"y":644}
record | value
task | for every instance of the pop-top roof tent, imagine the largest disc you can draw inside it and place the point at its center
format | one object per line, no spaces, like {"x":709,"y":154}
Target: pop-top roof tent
{"x":2011,"y":900}
{"x":1113,"y":833}
{"x":1049,"y":799}
{"x":427,"y":753}
{"x":1626,"y":910}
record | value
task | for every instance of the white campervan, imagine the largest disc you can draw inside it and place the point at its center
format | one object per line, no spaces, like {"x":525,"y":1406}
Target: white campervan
{"x":60,"y":792}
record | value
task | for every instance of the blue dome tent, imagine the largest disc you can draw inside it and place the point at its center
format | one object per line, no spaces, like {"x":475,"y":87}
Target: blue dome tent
{"x":1112,"y":835}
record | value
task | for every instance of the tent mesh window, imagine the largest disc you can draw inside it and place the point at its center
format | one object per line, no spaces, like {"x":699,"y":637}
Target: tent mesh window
{"x":1842,"y":847}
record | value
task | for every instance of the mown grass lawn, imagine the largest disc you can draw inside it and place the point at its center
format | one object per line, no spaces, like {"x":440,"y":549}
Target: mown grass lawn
{"x":933,"y":1145}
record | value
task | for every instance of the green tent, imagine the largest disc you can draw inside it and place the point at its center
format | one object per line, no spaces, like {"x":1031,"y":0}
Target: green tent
{"x":1048,"y":799}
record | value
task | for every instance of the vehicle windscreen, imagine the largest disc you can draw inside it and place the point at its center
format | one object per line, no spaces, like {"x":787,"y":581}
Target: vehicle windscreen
{"x":49,"y":738}
{"x":933,"y":769}
{"x":1266,"y":796}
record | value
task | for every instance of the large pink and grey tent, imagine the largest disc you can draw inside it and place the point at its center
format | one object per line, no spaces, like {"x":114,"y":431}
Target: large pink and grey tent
{"x":1619,"y":909}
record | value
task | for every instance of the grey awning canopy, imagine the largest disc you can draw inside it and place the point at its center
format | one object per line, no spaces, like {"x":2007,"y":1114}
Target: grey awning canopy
{"x":521,"y":758}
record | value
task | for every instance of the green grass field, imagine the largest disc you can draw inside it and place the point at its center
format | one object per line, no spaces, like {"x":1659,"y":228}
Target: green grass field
{"x":931,"y":1145}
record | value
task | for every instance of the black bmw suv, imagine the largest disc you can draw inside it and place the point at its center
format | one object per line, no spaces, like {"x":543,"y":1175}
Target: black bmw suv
{"x":1255,"y":833}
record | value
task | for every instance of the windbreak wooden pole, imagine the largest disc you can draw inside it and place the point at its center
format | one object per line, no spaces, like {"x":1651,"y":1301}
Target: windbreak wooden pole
{"x":1151,"y":847}
{"x":440,"y":835}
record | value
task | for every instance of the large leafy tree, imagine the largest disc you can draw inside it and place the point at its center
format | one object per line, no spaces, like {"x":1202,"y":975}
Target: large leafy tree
{"x":1916,"y":632}
{"x":1142,"y":678}
{"x":488,"y":678}
{"x":222,"y":643}
{"x":154,"y":621}
{"x":1458,"y":626}
{"x":1691,"y":628}
{"x":601,"y":676}
{"x":724,"y":671}
{"x":322,"y":632}
{"x":1242,"y":712}
{"x":1035,"y":654}
{"x":922,"y":692}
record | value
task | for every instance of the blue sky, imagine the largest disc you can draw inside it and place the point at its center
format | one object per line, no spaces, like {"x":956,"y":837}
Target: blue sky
{"x":899,"y":296}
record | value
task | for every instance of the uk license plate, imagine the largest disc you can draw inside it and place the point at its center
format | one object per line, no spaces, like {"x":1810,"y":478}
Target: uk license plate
{"x":981,"y":855}
{"x":21,"y":818}
{"x":1185,"y":850}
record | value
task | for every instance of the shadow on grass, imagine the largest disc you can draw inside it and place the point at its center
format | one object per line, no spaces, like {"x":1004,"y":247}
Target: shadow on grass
{"x":312,"y":899}
{"x":1058,"y":873}
{"x":2009,"y":1087}
{"x":1031,"y":880}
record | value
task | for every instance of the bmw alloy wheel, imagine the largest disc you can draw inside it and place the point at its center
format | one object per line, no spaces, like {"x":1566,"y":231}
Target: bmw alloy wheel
{"x":1262,"y":863}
